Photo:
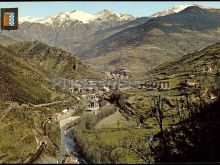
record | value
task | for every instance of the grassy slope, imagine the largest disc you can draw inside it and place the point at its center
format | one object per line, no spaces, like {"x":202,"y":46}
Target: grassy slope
{"x":191,"y":63}
{"x":8,"y":39}
{"x":21,"y":129}
{"x":20,"y":80}
{"x":24,"y":80}
{"x":54,"y":60}
{"x":116,"y":120}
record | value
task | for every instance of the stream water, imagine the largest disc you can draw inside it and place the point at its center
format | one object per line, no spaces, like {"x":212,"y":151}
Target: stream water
{"x":71,"y":147}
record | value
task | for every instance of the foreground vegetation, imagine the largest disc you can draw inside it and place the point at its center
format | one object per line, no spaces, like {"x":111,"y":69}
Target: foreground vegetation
{"x":155,"y":126}
{"x":22,"y":133}
{"x":27,"y":119}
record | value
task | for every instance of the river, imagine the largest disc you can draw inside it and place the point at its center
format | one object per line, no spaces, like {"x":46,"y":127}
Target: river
{"x":70,"y":145}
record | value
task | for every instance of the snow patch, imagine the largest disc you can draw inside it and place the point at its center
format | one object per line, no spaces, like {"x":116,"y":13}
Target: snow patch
{"x":77,"y":15}
{"x":28,"y":19}
{"x":176,"y":9}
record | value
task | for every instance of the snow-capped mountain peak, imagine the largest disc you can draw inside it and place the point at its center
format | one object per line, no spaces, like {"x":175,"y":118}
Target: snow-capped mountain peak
{"x":75,"y":15}
{"x":108,"y":14}
{"x":176,"y":9}
{"x":81,"y":16}
{"x":105,"y":14}
{"x":78,"y":15}
{"x":28,"y":19}
{"x":106,"y":11}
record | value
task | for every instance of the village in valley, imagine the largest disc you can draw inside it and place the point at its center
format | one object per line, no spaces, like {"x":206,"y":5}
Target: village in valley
{"x":94,"y":91}
{"x":161,"y":88}
{"x":110,"y":88}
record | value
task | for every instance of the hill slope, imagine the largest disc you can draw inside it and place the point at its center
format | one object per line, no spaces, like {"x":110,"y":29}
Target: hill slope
{"x":193,"y":63}
{"x":102,"y":34}
{"x":159,"y":40}
{"x":9,"y":39}
{"x":54,"y":60}
{"x":21,"y":81}
{"x":26,"y":67}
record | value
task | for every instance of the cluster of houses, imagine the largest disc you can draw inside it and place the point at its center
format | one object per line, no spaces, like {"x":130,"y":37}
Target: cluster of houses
{"x":118,"y":74}
{"x":92,"y":101}
{"x":90,"y":90}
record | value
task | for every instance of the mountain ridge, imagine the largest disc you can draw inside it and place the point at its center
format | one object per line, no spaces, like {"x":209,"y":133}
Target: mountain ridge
{"x":57,"y":29}
{"x":176,"y":9}
{"x":169,"y":37}
{"x":78,"y":15}
{"x":191,"y":64}
{"x":54,"y":60}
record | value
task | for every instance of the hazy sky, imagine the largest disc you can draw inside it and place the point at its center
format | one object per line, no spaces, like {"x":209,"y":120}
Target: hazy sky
{"x":135,"y":8}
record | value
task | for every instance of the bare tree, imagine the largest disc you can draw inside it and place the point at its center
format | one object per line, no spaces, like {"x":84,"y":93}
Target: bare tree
{"x":132,"y":143}
{"x":157,"y":111}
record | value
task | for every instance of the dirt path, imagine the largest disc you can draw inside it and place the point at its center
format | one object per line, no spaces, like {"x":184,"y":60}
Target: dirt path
{"x":52,"y":103}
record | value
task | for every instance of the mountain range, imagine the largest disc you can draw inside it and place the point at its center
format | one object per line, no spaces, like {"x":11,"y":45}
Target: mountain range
{"x":106,"y":15}
{"x":68,"y":30}
{"x":108,"y":40}
{"x":159,"y":40}
{"x":173,"y":46}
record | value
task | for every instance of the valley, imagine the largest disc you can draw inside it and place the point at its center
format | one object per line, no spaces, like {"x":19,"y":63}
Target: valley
{"x":111,"y":88}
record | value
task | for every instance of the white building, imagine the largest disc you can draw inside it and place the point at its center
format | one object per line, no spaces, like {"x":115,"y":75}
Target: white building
{"x":91,"y":100}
